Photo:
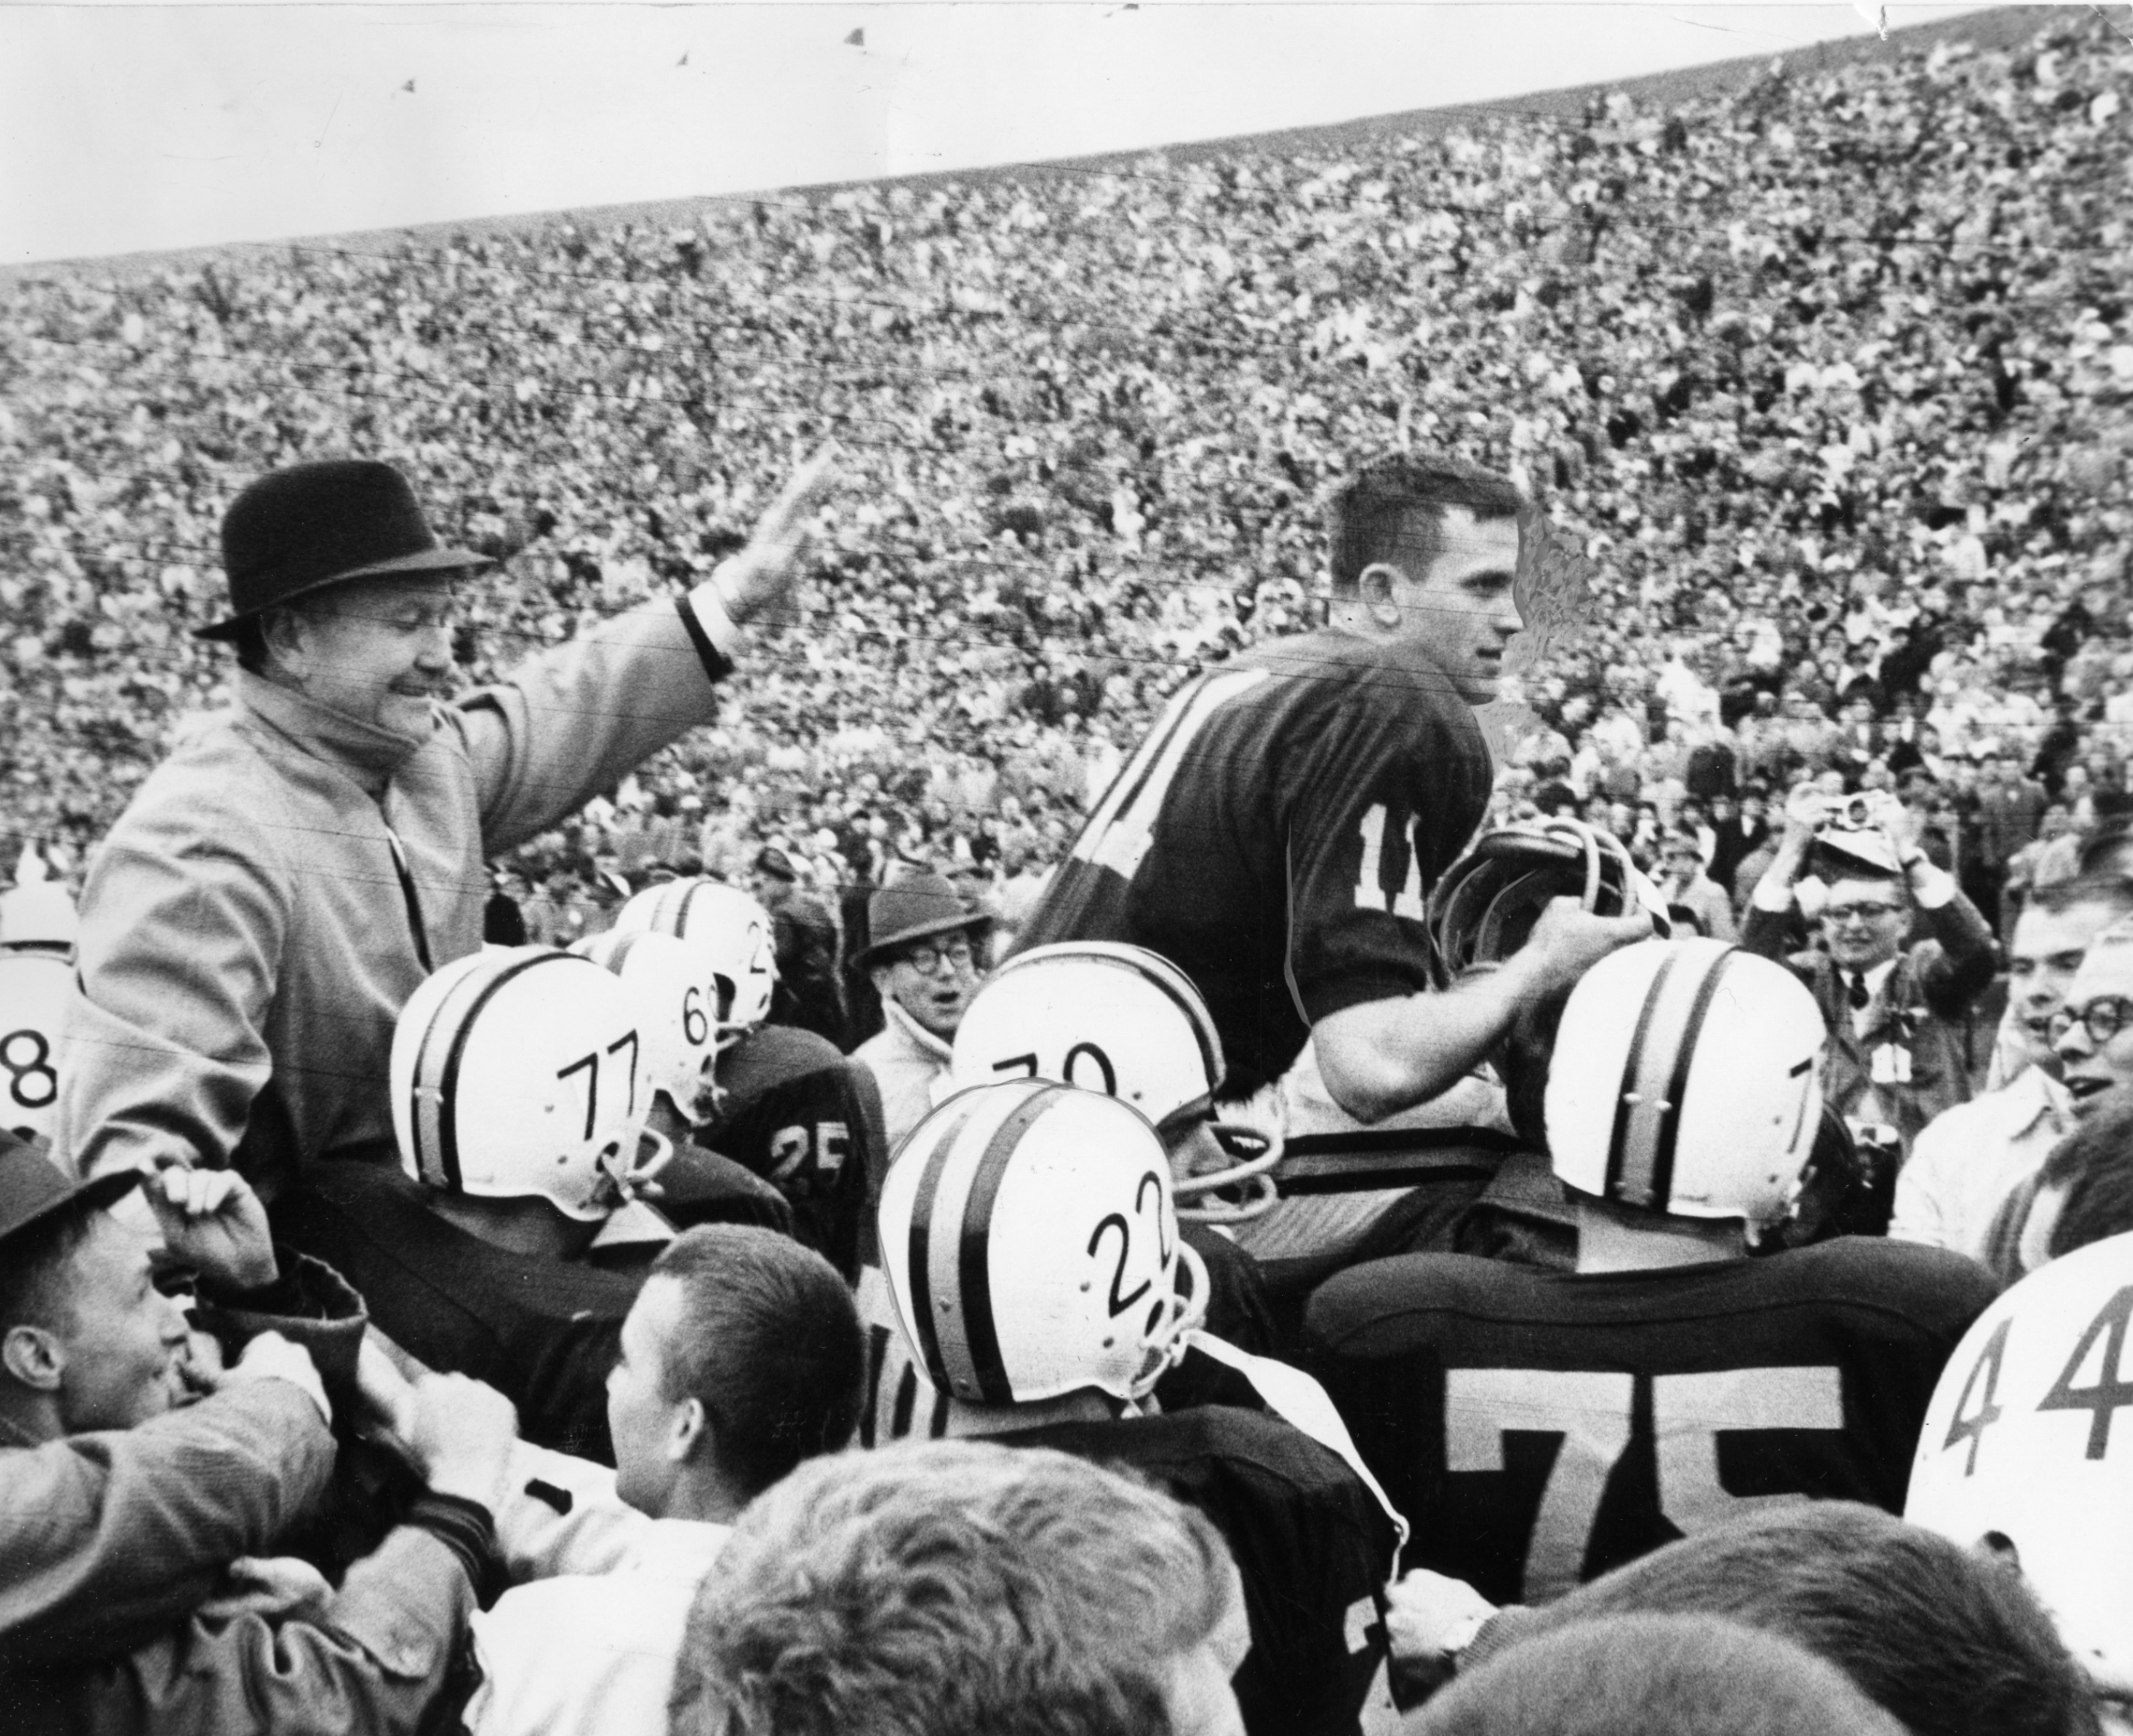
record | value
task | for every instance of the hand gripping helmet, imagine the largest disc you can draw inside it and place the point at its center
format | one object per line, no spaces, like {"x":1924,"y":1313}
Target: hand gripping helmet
{"x":2028,"y":1447}
{"x":670,"y":985}
{"x":1485,"y":904}
{"x":735,"y":930}
{"x":522,"y":1072}
{"x":1031,"y":1247}
{"x":33,"y":986}
{"x":1128,"y":1022}
{"x":1687,"y":1079}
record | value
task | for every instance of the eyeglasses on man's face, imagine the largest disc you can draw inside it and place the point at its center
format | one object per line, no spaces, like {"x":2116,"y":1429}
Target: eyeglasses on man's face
{"x":928,"y":956}
{"x":1865,"y":914}
{"x":2103,"y":1018}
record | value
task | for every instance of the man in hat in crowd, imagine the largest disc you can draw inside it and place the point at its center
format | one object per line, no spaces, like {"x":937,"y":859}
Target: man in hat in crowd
{"x":922,"y":956}
{"x":275,"y":891}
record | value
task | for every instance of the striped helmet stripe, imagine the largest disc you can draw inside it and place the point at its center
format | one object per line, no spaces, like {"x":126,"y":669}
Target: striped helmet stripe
{"x":973,"y":1265}
{"x":1640,"y":1148}
{"x":917,"y":1268}
{"x":436,"y":1075}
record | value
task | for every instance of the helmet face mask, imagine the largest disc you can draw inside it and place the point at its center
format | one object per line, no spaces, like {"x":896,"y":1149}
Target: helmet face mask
{"x":1127,"y":1022}
{"x":734,"y":935}
{"x":523,"y":1074}
{"x":1030,"y":1246}
{"x":1687,"y":1079}
{"x":1484,"y":907}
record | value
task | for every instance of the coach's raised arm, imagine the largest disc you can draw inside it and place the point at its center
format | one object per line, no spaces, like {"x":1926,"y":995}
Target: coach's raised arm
{"x":262,"y":911}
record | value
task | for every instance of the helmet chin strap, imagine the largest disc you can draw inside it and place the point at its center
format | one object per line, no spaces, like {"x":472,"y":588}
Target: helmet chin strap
{"x":629,"y":1178}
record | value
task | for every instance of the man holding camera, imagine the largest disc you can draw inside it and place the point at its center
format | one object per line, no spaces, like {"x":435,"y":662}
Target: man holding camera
{"x":1898,"y":1015}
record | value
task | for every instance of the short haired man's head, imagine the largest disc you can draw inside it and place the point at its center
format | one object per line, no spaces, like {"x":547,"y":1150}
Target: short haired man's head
{"x":87,"y":1341}
{"x":950,"y":1588}
{"x":2050,"y":937}
{"x":741,"y":1356}
{"x":1951,"y":1642}
{"x":1866,"y":917}
{"x":1427,"y":549}
{"x":2092,"y":1033}
{"x":1685,"y":1674}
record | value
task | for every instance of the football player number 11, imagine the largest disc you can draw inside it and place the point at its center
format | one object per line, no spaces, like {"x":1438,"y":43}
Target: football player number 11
{"x":1591,"y":1413}
{"x":1370,"y":891}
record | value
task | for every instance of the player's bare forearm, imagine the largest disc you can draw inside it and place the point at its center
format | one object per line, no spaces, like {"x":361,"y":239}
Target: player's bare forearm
{"x":1383,"y":1056}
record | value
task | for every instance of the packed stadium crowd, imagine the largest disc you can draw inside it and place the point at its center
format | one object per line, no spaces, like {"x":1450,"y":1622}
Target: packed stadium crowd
{"x":1406,"y":872}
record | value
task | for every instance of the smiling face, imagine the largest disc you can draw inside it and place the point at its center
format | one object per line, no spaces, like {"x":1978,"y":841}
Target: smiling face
{"x":377,"y":649}
{"x":1864,"y":922}
{"x":1462,"y":604}
{"x":2102,"y":985}
{"x":2042,"y":960}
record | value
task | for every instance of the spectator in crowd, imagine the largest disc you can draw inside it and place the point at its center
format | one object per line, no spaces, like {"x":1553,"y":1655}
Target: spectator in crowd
{"x":1969,"y":1157}
{"x":809,"y":994}
{"x":740,"y":1359}
{"x":959,"y":1587}
{"x":259,"y":869}
{"x":130,"y":1597}
{"x":1898,"y":1053}
{"x":1681,"y":880}
{"x":922,"y":956}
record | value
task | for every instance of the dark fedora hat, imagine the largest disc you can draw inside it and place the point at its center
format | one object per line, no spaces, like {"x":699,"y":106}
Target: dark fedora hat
{"x":32,"y":1187}
{"x":299,"y":530}
{"x":916,"y":909}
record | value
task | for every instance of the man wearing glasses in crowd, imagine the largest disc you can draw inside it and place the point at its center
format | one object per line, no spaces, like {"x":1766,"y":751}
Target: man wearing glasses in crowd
{"x":923,"y":958}
{"x":1898,"y":1016}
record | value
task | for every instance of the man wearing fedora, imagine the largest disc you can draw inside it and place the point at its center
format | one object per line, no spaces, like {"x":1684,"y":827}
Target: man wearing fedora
{"x":275,"y":891}
{"x":923,"y":955}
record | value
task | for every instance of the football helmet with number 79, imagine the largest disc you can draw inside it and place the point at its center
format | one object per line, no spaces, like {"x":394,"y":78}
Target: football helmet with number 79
{"x":1032,"y":1249}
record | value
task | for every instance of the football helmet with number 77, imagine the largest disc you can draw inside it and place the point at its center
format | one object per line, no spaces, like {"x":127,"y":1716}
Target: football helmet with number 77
{"x":1128,"y":1022}
{"x":1687,"y":1080}
{"x":2027,"y":1449}
{"x":520,"y":1072}
{"x":1032,"y":1249}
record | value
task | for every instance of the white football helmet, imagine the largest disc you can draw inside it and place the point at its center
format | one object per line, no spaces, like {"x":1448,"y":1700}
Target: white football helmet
{"x":2027,"y":1443}
{"x":1485,"y":904}
{"x":1032,"y":1249}
{"x":1128,"y":1022}
{"x":524,"y":1073}
{"x":1687,"y":1079}
{"x":734,"y":929}
{"x":671,"y":983}
{"x":33,"y":986}
{"x":38,"y":914}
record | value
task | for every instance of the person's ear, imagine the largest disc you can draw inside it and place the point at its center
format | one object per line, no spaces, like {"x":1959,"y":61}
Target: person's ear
{"x":689,"y":1436}
{"x":879,"y":976}
{"x":286,"y":635}
{"x":33,"y":1357}
{"x":1377,"y":589}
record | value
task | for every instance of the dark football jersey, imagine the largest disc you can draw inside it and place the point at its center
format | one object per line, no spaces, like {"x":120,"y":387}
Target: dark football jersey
{"x":1312,"y":1546}
{"x":793,"y":1115}
{"x":543,"y":1332}
{"x":1277,"y":835}
{"x":1538,"y":1428}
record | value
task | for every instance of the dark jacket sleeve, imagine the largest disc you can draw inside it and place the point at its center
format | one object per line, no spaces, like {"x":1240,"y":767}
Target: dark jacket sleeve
{"x":1955,"y":963}
{"x":107,"y":1538}
{"x":1763,"y":932}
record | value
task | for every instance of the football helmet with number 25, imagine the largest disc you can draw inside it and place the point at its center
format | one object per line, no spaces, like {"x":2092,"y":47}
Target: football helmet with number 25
{"x":735,"y":932}
{"x":1687,"y":1079}
{"x":521,"y":1073}
{"x":1127,"y":1022}
{"x":2028,"y":1448}
{"x":1032,"y":1248}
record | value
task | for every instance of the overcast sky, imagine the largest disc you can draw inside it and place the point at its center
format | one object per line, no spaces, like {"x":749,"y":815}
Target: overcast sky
{"x":132,"y":127}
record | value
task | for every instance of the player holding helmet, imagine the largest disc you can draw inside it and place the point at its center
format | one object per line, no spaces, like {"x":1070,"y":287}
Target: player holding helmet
{"x":520,"y":1093}
{"x":1277,"y":835}
{"x":1032,"y":1257}
{"x":1542,"y":1426}
{"x":780,"y":1102}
